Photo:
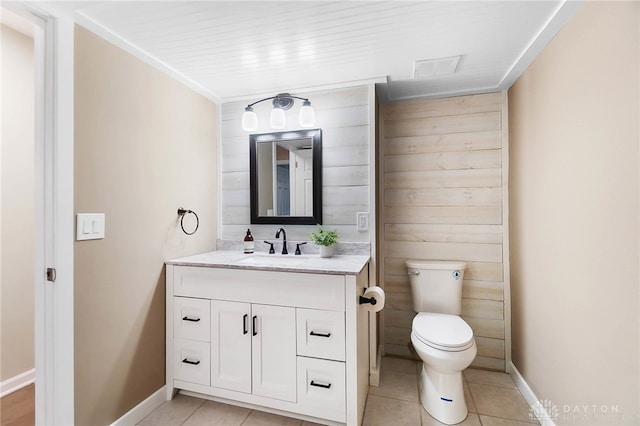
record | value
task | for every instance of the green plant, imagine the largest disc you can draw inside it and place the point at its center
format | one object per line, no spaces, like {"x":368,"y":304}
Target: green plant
{"x":324,"y":237}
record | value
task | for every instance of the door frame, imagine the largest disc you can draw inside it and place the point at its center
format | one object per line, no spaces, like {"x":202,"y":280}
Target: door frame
{"x":54,"y":343}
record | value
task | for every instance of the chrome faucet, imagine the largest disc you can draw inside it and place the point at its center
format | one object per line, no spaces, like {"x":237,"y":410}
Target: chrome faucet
{"x":284,"y":240}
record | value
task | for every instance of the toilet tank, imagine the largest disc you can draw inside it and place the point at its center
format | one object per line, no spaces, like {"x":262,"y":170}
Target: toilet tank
{"x":436,"y":286}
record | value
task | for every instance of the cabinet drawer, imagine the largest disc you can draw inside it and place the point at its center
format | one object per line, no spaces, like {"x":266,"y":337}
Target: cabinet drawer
{"x":191,"y":319}
{"x":191,"y":361}
{"x":321,"y":388}
{"x":320,"y":334}
{"x":315,"y":291}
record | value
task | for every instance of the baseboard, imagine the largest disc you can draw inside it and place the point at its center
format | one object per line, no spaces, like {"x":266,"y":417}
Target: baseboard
{"x":17,"y":382}
{"x":142,"y":410}
{"x":538,"y":408}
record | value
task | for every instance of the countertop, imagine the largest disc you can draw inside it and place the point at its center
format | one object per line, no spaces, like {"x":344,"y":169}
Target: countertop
{"x":308,"y":263}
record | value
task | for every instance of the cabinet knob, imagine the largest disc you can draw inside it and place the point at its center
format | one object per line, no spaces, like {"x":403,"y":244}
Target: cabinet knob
{"x":313,"y":333}
{"x":190,"y":319}
{"x":188,"y":361}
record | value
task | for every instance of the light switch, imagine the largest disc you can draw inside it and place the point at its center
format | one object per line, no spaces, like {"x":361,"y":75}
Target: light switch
{"x":90,"y":226}
{"x":362,"y":221}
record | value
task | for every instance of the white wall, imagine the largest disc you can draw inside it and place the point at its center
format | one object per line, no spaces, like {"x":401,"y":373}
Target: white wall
{"x":18,"y":209}
{"x":344,"y":117}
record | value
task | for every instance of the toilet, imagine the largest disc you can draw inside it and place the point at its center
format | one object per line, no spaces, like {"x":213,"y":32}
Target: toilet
{"x":442,"y":339}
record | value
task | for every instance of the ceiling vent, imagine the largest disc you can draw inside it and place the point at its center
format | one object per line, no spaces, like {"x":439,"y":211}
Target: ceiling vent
{"x":434,"y":68}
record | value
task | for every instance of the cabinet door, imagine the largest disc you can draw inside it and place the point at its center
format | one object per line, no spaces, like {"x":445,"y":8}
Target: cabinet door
{"x":274,"y":352}
{"x":231,"y":345}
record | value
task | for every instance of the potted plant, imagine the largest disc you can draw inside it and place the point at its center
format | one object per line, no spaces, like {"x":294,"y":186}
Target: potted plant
{"x":326,"y":239}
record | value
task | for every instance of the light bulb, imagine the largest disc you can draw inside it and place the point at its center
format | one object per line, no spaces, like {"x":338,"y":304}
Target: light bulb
{"x":249,"y":120}
{"x":278,"y":119}
{"x":307,"y":115}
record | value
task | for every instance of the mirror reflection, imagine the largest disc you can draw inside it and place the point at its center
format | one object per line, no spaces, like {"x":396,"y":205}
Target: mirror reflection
{"x":286,"y":170}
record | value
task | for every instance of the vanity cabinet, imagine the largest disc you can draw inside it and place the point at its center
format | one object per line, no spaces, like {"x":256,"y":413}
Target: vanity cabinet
{"x":292,"y":343}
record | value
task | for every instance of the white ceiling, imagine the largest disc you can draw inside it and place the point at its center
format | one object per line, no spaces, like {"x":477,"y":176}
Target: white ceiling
{"x":231,"y":50}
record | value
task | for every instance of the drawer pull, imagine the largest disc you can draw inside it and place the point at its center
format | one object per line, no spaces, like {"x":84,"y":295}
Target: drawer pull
{"x":245,"y":324}
{"x":190,"y":319}
{"x":188,"y":361}
{"x":320,"y":385}
{"x":313,"y":333}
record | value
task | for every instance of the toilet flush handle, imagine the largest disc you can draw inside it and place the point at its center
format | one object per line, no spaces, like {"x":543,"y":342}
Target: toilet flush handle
{"x":414,"y":272}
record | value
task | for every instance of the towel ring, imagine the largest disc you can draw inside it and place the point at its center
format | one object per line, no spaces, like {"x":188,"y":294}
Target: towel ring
{"x":182,"y":212}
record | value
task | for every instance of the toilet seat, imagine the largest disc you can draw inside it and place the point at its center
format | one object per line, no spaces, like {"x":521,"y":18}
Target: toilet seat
{"x":442,"y":331}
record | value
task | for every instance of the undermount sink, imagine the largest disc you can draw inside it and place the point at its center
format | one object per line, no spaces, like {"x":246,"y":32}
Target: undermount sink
{"x":275,"y":259}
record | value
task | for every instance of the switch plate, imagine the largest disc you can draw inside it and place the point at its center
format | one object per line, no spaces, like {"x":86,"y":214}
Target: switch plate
{"x":362,"y":221}
{"x":90,"y":226}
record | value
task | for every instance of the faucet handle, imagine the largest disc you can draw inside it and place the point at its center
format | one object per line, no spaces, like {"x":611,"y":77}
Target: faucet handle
{"x":298,"y":252}
{"x":271,"y":249}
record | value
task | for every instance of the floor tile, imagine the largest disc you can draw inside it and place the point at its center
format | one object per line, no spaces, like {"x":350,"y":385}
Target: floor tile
{"x":471,"y":420}
{"x":174,"y":412}
{"x":213,"y":413}
{"x":494,"y":421}
{"x":492,"y":378}
{"x":260,"y":418}
{"x":500,"y":402}
{"x":386,"y":411}
{"x":398,"y":385}
{"x":471,"y":406}
{"x":399,"y":364}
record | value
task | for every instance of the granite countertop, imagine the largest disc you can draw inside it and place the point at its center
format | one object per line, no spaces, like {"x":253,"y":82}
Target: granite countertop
{"x":309,"y":263}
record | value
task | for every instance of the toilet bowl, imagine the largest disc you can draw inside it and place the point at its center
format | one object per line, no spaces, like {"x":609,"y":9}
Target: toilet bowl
{"x":446,"y":346}
{"x":441,"y":338}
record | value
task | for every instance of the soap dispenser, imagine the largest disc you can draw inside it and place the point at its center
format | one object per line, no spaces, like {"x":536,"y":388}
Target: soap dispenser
{"x":248,"y":242}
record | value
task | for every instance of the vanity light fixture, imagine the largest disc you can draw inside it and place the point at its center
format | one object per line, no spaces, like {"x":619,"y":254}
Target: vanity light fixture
{"x":278,"y":120}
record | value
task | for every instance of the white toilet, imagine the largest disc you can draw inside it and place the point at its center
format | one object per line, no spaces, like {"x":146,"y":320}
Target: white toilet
{"x":442,"y":339}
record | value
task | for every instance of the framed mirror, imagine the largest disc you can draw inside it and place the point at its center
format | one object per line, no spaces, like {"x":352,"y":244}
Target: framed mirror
{"x":286,"y":177}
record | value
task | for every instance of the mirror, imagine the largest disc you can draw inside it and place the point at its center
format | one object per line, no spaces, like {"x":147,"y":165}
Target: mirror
{"x":286,"y":177}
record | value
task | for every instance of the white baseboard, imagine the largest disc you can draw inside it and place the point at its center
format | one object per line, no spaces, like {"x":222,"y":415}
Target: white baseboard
{"x":17,"y":382}
{"x":142,"y":410}
{"x":538,"y":408}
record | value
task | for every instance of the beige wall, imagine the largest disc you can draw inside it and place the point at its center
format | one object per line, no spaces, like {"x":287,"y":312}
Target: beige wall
{"x":442,"y":200}
{"x":18,"y":215}
{"x":574,"y":192}
{"x":144,"y":146}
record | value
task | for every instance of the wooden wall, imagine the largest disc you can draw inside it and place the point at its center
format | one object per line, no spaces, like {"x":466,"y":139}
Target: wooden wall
{"x":344,"y":115}
{"x":442,"y":199}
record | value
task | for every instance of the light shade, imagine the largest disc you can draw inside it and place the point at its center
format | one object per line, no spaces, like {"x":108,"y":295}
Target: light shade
{"x":278,"y":119}
{"x":249,"y":120}
{"x":307,"y":115}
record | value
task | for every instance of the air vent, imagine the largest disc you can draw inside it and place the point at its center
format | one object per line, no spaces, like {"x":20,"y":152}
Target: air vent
{"x":433,"y":68}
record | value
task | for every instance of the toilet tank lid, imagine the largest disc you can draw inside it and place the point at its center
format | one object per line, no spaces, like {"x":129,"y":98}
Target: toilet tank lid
{"x":435,"y":264}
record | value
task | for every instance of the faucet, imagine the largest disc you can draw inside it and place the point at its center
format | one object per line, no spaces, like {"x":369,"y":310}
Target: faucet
{"x":284,"y":239}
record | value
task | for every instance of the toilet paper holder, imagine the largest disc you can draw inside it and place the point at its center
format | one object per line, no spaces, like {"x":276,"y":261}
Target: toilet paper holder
{"x":363,"y":300}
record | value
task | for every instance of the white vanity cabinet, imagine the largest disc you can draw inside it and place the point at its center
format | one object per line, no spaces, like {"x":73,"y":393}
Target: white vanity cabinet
{"x":293,"y":343}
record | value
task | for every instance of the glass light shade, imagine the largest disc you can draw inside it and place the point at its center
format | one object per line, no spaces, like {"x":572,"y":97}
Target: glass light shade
{"x":278,"y":119}
{"x":307,"y":115}
{"x":249,"y":120}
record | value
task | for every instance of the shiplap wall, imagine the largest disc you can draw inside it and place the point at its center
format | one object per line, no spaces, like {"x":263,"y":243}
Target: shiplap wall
{"x":344,"y":117}
{"x":442,"y":199}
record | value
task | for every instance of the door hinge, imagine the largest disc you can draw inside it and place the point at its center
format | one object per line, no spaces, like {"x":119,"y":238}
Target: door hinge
{"x":51,"y":274}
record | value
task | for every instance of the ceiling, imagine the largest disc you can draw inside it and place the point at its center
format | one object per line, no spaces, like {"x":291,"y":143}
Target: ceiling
{"x":231,"y":50}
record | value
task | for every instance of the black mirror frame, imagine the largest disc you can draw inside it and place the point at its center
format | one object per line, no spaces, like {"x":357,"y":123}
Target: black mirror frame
{"x":316,"y":141}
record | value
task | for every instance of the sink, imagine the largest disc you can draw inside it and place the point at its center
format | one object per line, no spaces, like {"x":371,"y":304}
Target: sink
{"x":263,"y":259}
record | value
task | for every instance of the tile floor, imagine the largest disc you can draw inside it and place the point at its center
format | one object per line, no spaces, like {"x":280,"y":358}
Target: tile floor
{"x":492,"y":399}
